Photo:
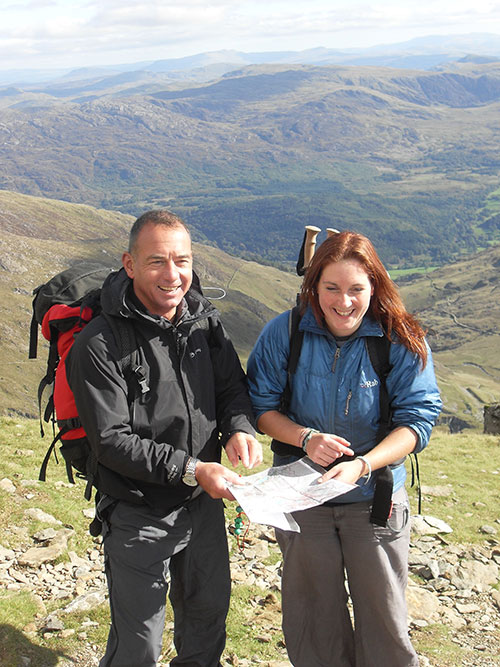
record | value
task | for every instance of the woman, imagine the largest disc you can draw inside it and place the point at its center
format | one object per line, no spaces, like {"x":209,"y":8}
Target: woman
{"x":334,"y":418}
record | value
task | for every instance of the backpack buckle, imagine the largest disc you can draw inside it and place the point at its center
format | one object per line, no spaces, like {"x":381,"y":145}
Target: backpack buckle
{"x":141,"y":379}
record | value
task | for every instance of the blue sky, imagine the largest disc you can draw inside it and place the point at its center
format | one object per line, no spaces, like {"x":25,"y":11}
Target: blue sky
{"x":76,"y":33}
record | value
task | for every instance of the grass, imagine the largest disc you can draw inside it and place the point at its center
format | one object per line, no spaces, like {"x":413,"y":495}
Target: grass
{"x":469,"y":464}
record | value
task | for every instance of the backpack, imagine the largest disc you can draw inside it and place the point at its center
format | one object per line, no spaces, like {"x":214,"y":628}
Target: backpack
{"x":62,"y":307}
{"x":378,"y":348}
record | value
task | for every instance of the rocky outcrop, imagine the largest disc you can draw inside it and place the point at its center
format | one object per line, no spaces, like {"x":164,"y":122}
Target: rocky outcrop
{"x":492,"y":419}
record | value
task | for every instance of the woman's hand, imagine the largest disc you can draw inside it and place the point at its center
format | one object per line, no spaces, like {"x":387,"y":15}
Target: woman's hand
{"x":325,"y":448}
{"x":348,"y":472}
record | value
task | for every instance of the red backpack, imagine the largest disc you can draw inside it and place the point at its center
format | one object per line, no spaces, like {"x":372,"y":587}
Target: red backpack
{"x":62,"y":307}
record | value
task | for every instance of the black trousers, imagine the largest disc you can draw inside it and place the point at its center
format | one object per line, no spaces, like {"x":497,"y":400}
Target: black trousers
{"x":143,"y":551}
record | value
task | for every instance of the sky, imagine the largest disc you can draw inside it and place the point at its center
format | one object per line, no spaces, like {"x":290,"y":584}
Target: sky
{"x":61,"y":34}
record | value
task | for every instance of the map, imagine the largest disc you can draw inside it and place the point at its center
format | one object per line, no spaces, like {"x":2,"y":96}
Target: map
{"x":269,"y":497}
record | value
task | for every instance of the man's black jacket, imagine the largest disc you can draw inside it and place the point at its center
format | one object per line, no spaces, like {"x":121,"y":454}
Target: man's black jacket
{"x":197,"y":396}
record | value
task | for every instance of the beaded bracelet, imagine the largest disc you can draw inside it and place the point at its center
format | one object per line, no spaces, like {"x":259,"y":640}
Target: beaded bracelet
{"x":309,"y":433}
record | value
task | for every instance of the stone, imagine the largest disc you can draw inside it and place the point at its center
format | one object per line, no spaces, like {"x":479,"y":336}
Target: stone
{"x":428,"y":525}
{"x":422,"y":604}
{"x":451,"y":618}
{"x":45,"y":535}
{"x":86,"y":602}
{"x":40,"y":515}
{"x":473,"y":575}
{"x":48,"y":552}
{"x":7,"y":485}
{"x":6,"y":554}
{"x":491,"y":417}
{"x":52,"y":624}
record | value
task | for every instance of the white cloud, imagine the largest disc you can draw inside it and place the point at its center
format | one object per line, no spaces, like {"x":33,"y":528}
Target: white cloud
{"x":92,"y":31}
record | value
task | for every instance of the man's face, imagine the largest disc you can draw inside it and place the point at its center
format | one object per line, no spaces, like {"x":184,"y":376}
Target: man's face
{"x":161,"y":266}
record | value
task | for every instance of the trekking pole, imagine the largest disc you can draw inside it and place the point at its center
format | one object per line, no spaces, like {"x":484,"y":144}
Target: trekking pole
{"x":330,"y":231}
{"x":310,"y":244}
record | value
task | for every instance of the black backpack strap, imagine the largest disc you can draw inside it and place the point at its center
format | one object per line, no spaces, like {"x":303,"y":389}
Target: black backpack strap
{"x":296,"y":337}
{"x":124,"y":334}
{"x":378,"y":348}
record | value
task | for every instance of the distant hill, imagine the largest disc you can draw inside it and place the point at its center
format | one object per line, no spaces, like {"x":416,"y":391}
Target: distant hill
{"x":426,"y":52}
{"x":458,"y":303}
{"x":408,"y":156}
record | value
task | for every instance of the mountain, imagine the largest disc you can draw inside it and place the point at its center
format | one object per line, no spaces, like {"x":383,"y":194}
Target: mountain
{"x":419,"y":53}
{"x":457,"y":303}
{"x":407,"y":156}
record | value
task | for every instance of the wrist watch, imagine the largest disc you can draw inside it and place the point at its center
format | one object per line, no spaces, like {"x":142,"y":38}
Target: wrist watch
{"x":188,"y":476}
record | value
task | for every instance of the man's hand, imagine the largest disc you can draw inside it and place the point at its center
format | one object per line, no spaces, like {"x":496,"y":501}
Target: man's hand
{"x":212,"y":477}
{"x":245,"y":448}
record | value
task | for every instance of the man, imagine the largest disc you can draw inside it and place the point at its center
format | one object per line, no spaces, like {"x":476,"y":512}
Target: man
{"x":159,"y":478}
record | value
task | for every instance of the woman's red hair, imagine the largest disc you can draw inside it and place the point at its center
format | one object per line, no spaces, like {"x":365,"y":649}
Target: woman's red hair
{"x":386,"y":306}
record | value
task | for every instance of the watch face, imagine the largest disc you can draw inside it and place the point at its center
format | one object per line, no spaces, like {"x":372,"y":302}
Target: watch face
{"x":189,"y":477}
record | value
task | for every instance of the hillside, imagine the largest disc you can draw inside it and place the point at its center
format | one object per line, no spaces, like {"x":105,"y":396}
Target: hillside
{"x":41,"y":237}
{"x":407,"y":156}
{"x":458,"y":303}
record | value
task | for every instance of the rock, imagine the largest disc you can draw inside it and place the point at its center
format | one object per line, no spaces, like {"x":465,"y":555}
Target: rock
{"x":45,"y":535}
{"x":422,"y":604}
{"x":6,"y":554}
{"x":86,"y":602}
{"x":40,"y":515}
{"x":7,"y":485}
{"x":491,"y":416}
{"x":473,"y":575}
{"x":467,"y":608}
{"x":488,"y":530}
{"x":52,"y":624}
{"x":428,"y":525}
{"x":451,"y":618}
{"x":49,"y":552}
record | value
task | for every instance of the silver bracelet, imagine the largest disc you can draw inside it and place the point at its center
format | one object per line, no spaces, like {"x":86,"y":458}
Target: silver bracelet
{"x":367,"y":463}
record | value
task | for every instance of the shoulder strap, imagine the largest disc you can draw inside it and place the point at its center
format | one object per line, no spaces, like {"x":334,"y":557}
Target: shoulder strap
{"x":379,"y":350}
{"x":296,"y":337}
{"x":125,"y":337}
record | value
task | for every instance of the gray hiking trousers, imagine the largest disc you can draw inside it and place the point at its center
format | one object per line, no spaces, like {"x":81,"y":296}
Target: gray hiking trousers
{"x":142,"y":551}
{"x":316,"y":621}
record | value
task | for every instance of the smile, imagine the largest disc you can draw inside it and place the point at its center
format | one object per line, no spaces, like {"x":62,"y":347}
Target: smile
{"x":169,"y":289}
{"x":344,"y":313}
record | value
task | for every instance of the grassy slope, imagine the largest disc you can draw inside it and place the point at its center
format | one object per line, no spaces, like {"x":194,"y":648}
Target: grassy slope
{"x":476,"y":467}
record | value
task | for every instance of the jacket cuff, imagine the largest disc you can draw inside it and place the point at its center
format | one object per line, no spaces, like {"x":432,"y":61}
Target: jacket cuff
{"x":175,"y":467}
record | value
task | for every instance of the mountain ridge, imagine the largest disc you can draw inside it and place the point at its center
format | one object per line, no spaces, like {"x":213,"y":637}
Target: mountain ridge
{"x":275,"y":147}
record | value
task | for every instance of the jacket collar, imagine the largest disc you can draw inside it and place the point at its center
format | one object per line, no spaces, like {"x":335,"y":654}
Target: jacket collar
{"x":119,"y":299}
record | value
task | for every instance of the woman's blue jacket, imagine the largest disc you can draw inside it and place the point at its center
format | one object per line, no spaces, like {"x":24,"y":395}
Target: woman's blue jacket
{"x":336,"y":389}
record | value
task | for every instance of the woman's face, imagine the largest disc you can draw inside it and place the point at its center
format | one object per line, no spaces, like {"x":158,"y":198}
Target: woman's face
{"x":344,"y":292}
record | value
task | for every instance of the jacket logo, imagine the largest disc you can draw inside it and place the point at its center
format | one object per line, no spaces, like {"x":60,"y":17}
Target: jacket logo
{"x":193,"y":354}
{"x":368,"y":384}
